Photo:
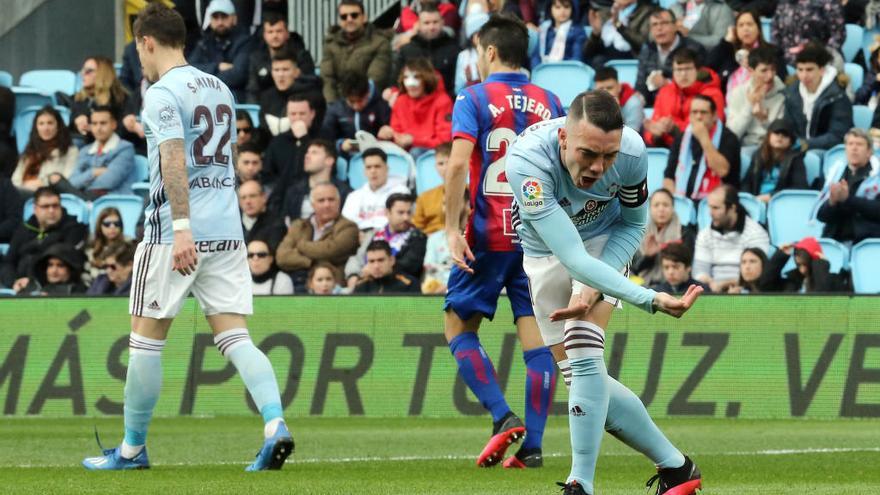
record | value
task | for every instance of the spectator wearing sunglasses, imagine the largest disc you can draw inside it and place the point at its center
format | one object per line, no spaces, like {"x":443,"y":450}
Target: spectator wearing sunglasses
{"x":49,"y":225}
{"x":118,"y":264}
{"x":267,"y":279}
{"x":247,"y":134}
{"x":354,"y":46}
{"x":108,"y":232}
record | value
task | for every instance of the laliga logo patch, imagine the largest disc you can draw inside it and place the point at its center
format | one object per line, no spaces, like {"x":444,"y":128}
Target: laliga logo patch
{"x":167,"y":118}
{"x":533,"y":193}
{"x":166,"y":114}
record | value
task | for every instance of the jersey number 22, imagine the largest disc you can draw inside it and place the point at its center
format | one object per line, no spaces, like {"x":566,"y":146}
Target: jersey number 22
{"x":222,"y":115}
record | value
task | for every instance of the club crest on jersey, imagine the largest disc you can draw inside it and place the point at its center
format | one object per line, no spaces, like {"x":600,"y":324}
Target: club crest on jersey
{"x":533,"y":193}
{"x":592,"y":210}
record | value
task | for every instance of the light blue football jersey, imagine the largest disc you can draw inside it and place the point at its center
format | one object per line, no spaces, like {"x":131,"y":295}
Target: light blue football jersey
{"x":541,"y":185}
{"x":197,"y":107}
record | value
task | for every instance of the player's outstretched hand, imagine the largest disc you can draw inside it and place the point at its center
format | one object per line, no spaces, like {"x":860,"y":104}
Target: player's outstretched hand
{"x":676,"y":307}
{"x":459,"y":251}
{"x":578,"y":306}
{"x":185,"y":259}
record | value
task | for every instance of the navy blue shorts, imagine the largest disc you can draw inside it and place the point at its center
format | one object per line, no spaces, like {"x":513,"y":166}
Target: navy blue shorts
{"x":469,"y":294}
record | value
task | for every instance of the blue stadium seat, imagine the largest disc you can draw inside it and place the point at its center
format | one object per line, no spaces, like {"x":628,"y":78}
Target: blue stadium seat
{"x":862,"y":116}
{"x":24,"y":121}
{"x":745,"y":161}
{"x":4,"y":248}
{"x":853,"y":41}
{"x":141,"y":190}
{"x":341,"y":169}
{"x":426,"y":173}
{"x":684,"y":207}
{"x":5,"y":79}
{"x":129,"y":205}
{"x":864,"y":266}
{"x":813,"y":164}
{"x":833,"y":156}
{"x":398,"y":165}
{"x":766,"y":30}
{"x":788,"y":216}
{"x":836,"y":253}
{"x":50,"y":81}
{"x":756,"y":209}
{"x":790,"y":70}
{"x":657,"y":158}
{"x":856,"y":75}
{"x":142,"y":168}
{"x":566,"y":79}
{"x":30,"y":97}
{"x":649,"y":112}
{"x":627,"y":70}
{"x":868,"y":39}
{"x":253,"y":111}
{"x":7,"y":292}
{"x":74,"y":205}
{"x":533,"y":42}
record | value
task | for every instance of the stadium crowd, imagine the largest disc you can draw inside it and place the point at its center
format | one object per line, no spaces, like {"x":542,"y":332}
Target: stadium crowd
{"x":340,"y":172}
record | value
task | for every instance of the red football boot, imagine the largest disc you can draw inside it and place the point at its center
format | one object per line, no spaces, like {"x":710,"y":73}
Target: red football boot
{"x":506,"y":432}
{"x":684,"y":480}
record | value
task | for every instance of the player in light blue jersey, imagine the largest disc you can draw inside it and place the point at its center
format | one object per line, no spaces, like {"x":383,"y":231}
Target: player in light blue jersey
{"x":581,"y":210}
{"x":193,"y":241}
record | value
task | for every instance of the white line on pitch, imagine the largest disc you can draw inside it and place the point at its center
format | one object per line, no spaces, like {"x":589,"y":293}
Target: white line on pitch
{"x":460,"y":457}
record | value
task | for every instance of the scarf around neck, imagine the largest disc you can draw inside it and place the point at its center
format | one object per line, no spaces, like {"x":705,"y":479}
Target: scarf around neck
{"x":704,"y":182}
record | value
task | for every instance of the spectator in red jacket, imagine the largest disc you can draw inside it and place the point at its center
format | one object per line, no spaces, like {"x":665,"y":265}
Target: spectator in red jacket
{"x":673,"y":102}
{"x":421,"y":114}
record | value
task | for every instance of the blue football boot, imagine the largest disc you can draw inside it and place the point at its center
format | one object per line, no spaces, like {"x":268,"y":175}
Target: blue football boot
{"x":112,"y":460}
{"x":275,"y":450}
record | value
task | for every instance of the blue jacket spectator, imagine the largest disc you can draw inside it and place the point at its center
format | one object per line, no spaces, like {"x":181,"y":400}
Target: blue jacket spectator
{"x":361,"y":108}
{"x":107,"y":165}
{"x":561,"y":36}
{"x":224,"y":50}
{"x":115,"y":158}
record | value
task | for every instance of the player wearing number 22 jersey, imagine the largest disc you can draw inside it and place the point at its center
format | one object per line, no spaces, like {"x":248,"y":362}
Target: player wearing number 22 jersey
{"x":491,"y":115}
{"x":190,"y":104}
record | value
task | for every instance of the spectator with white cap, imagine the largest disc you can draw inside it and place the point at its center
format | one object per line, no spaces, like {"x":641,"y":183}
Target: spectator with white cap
{"x":223,"y":50}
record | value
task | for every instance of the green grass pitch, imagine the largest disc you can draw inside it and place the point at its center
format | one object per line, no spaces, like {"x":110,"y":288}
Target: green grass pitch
{"x":413,"y":456}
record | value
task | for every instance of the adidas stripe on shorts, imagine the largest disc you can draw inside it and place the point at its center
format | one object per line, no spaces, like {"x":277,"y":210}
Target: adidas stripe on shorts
{"x":221,"y":282}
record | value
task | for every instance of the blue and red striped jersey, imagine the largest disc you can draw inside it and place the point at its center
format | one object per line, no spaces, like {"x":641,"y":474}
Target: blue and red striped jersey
{"x":491,"y":115}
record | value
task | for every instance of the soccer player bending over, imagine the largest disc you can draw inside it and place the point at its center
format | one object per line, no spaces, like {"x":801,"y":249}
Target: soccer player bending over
{"x":192,"y":241}
{"x":485,"y":120}
{"x":581,"y":211}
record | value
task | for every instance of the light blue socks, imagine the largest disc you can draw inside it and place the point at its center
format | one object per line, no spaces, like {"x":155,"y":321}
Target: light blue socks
{"x":598,"y":402}
{"x":142,"y":385}
{"x":255,"y":370}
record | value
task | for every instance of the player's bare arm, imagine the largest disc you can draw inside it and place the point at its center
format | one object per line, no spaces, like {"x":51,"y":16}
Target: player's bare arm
{"x":456,"y":178}
{"x":174,"y":176}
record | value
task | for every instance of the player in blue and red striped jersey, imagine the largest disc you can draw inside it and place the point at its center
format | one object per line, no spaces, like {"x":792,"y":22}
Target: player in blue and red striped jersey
{"x":486,"y":120}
